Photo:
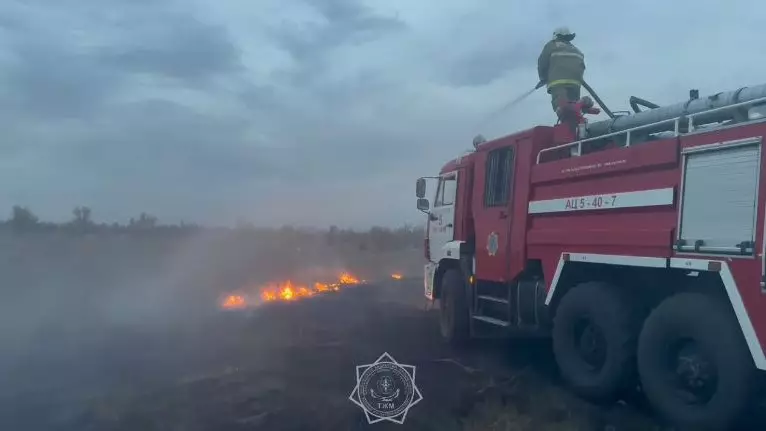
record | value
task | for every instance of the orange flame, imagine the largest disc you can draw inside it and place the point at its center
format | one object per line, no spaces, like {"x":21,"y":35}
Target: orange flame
{"x":234,"y":302}
{"x":288,"y":291}
{"x":396,"y":276}
{"x":346,"y":278}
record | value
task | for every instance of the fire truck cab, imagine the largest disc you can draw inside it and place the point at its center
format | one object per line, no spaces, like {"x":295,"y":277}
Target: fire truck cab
{"x":638,"y":248}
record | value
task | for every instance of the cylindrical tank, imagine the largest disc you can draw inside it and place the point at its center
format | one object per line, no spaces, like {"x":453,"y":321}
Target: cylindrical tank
{"x":692,"y":106}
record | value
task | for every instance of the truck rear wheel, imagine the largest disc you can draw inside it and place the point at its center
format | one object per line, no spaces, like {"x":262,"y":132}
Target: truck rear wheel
{"x":594,"y":341}
{"x":694,"y":365}
{"x":453,"y":308}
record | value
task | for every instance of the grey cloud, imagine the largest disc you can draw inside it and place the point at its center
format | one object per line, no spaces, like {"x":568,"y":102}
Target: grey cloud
{"x":352,"y":18}
{"x":320,"y":112}
{"x":259,"y":98}
{"x":53,"y":74}
{"x":155,"y":156}
{"x":178,"y":47}
{"x":45,"y":80}
{"x":10,"y":21}
{"x":348,"y":22}
{"x":162,"y":142}
{"x":220,"y":137}
{"x":491,"y":61}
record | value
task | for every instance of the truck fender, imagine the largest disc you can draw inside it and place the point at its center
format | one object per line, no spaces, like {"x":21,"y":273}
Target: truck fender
{"x":451,"y":250}
{"x":450,"y":258}
{"x":692,"y":264}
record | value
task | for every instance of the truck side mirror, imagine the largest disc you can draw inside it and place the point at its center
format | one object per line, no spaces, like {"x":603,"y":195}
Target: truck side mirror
{"x":420,"y":189}
{"x":423,"y":204}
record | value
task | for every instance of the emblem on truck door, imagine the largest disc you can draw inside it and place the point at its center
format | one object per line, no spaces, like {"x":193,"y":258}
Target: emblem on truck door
{"x":492,"y":243}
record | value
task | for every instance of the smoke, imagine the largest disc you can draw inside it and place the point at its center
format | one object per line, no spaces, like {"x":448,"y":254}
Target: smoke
{"x":74,"y":290}
{"x":83,"y":314}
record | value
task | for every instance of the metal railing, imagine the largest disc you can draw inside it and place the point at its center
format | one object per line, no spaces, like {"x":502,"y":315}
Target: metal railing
{"x":627,"y":132}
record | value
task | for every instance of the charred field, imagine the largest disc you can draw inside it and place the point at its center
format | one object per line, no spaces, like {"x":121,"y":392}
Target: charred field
{"x":129,"y":333}
{"x":290,"y":366}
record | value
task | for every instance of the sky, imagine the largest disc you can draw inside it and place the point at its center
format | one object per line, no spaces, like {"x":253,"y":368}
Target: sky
{"x":312,"y":112}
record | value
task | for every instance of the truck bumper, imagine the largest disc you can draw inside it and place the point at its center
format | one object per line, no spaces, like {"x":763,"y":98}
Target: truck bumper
{"x":428,"y":281}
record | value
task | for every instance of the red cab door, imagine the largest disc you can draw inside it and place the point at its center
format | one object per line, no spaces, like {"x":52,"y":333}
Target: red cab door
{"x":492,"y":211}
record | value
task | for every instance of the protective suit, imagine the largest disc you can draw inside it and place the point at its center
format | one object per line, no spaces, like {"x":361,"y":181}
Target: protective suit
{"x":561,"y":67}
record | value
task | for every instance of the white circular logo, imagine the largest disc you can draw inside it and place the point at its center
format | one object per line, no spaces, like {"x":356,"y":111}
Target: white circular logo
{"x":385,"y":390}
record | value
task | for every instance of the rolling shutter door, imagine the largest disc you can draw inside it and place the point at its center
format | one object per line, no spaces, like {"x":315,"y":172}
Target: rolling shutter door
{"x":720,"y":194}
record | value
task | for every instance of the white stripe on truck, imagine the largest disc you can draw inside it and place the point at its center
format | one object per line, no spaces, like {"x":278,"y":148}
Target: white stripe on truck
{"x":605,"y":201}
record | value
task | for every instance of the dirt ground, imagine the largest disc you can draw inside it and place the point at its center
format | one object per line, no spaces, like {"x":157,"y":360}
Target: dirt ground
{"x":123,"y":333}
{"x":291,"y":366}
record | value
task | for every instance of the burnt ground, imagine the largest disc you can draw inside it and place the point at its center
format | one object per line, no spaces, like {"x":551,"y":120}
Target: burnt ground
{"x":291,"y":367}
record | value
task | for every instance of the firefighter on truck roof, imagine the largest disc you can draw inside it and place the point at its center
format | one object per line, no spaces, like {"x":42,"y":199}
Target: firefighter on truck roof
{"x":561,"y":67}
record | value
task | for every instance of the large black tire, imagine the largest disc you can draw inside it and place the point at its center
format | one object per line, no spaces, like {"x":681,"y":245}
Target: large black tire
{"x":597,"y":315}
{"x":705,"y":333}
{"x":453,"y":308}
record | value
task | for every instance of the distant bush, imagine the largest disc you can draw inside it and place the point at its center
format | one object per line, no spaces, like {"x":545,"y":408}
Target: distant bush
{"x":23,"y":221}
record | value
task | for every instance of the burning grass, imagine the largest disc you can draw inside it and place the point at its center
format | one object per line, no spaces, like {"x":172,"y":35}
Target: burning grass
{"x":287,"y":291}
{"x":234,"y":302}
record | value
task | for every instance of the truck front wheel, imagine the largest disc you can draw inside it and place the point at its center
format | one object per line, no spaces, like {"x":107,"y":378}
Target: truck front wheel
{"x":694,"y":365}
{"x":594,"y":341}
{"x":453,"y":308}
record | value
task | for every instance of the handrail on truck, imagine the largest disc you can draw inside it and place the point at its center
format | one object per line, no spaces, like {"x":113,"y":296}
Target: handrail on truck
{"x":676,"y":121}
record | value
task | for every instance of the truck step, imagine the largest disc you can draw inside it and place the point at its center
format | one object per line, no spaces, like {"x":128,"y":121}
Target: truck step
{"x":493,"y":299}
{"x":491,"y":320}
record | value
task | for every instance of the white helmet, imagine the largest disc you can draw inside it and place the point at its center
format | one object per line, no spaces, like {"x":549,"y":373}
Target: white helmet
{"x":563,"y":32}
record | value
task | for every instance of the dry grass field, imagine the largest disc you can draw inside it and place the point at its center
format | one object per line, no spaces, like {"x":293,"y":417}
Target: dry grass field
{"x":123,"y":330}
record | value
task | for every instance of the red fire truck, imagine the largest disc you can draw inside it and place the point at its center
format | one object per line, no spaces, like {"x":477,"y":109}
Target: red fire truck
{"x":636,"y":243}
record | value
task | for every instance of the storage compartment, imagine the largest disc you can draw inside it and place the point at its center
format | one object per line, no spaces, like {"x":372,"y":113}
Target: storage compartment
{"x":719,"y":197}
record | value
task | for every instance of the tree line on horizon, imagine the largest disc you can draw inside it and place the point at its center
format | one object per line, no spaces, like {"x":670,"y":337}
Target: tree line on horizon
{"x":23,"y":220}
